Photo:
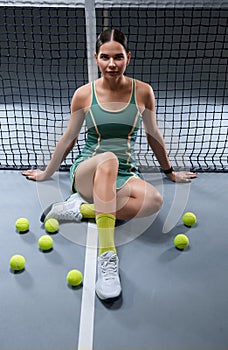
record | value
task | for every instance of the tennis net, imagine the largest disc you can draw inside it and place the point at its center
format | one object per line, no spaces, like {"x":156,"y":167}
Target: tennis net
{"x":181,"y":51}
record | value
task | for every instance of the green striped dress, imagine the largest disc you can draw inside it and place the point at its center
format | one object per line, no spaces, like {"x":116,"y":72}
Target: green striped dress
{"x":112,"y":131}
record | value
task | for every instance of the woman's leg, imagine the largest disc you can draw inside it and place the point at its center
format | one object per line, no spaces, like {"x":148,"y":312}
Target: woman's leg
{"x":137,"y":198}
{"x":95,"y":179}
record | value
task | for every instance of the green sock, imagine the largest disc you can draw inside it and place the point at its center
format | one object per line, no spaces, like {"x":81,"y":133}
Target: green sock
{"x":87,"y":211}
{"x":106,"y":230}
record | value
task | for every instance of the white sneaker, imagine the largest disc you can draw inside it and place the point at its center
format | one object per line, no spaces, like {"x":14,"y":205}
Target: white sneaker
{"x":68,"y":210}
{"x":108,"y":282}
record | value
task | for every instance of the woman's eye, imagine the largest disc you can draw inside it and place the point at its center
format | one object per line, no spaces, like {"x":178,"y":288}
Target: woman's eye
{"x":119,"y":57}
{"x":104,"y":57}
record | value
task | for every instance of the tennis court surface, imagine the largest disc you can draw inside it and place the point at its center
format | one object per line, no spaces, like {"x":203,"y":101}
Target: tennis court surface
{"x":171,"y":299}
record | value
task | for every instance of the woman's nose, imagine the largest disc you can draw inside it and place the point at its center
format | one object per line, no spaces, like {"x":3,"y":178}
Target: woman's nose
{"x":111,"y":62}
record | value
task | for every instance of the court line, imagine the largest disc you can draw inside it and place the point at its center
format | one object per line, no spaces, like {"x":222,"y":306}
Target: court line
{"x":86,"y":326}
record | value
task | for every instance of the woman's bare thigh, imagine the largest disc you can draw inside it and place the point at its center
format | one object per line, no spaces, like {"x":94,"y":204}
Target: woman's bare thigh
{"x":138,"y":198}
{"x":84,"y":175}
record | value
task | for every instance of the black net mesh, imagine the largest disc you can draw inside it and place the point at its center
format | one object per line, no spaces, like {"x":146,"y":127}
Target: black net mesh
{"x":181,"y":52}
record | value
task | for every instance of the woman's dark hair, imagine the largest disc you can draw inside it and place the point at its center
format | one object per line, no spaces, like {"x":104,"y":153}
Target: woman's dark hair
{"x":111,"y":35}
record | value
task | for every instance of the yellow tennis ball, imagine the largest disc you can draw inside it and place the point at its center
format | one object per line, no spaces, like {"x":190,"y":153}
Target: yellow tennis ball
{"x":181,"y":241}
{"x":74,"y":278}
{"x":22,"y":225}
{"x":51,"y":225}
{"x":189,"y":219}
{"x":45,"y":243}
{"x":17,"y":262}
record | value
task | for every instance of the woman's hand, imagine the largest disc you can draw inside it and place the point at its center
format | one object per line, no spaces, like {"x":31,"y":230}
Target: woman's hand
{"x":181,"y":176}
{"x":35,"y":175}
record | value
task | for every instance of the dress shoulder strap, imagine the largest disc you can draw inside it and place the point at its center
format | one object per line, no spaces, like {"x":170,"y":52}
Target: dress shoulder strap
{"x":133,"y":101}
{"x":94,"y":99}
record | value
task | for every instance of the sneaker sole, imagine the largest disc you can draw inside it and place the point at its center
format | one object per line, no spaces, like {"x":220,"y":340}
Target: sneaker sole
{"x":110,"y":299}
{"x":101,"y":297}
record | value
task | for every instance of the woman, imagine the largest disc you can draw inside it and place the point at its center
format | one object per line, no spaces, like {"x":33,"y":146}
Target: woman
{"x":105,"y":177}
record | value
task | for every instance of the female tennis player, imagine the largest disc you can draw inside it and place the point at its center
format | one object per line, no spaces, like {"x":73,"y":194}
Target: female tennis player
{"x":105,"y":178}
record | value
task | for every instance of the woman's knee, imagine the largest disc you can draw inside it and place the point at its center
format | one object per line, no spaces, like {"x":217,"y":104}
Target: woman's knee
{"x":154,"y":201}
{"x":108,"y":164}
{"x":158,"y":201}
{"x":110,"y":157}
{"x":94,"y":170}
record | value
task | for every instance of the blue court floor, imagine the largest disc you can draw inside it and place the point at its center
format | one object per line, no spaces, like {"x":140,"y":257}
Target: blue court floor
{"x":172,"y":300}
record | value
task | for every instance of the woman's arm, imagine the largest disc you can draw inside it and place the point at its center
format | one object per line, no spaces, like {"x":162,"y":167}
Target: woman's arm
{"x":66,"y":142}
{"x":156,"y":141}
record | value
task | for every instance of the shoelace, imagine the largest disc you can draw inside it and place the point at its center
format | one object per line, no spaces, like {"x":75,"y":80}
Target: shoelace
{"x":109,"y":268}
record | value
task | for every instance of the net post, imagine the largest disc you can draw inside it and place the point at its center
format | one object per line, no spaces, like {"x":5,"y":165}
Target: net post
{"x":91,"y":38}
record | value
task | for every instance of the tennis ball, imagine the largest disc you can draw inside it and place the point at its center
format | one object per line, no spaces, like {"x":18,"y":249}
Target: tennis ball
{"x":181,"y":241}
{"x":51,"y":225}
{"x":189,"y":219}
{"x":17,"y":262}
{"x":22,"y":225}
{"x":45,"y":243}
{"x":74,"y":278}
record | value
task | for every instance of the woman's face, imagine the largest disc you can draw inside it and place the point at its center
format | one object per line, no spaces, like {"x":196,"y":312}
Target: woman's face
{"x":112,"y":59}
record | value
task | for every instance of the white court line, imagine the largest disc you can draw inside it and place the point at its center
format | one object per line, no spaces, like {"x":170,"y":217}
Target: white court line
{"x":86,"y":327}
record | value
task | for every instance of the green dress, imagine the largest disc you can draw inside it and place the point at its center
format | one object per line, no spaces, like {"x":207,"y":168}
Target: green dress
{"x":112,"y":131}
